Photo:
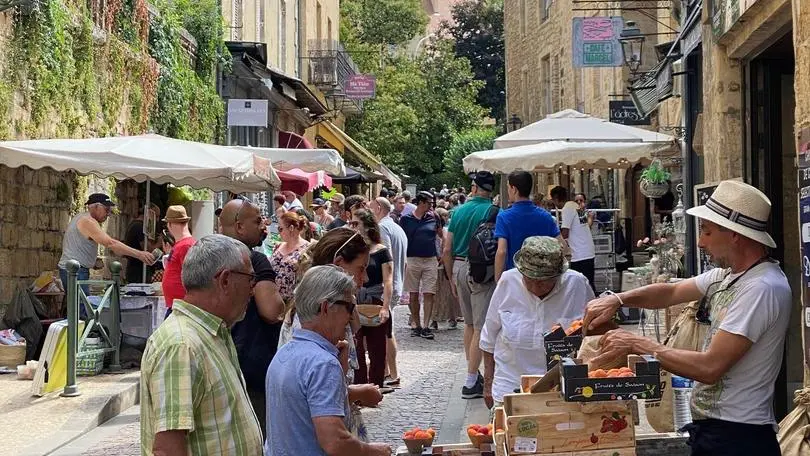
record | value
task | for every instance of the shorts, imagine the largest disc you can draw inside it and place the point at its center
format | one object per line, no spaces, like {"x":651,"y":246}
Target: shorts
{"x":473,"y":298}
{"x":421,"y":275}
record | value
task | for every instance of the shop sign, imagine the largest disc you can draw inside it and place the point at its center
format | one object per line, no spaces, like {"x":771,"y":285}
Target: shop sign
{"x":625,"y":112}
{"x":361,"y":86}
{"x":726,"y":13}
{"x":247,"y":113}
{"x":804,"y":225}
{"x":596,"y":42}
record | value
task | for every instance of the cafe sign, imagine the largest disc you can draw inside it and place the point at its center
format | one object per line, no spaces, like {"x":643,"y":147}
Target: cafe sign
{"x":596,"y":42}
{"x":625,"y":113}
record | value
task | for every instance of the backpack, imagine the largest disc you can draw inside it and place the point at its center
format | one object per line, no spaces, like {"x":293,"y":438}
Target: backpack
{"x":482,"y":248}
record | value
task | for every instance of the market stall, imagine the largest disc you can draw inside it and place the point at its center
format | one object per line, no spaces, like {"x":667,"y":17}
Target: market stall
{"x":307,"y":160}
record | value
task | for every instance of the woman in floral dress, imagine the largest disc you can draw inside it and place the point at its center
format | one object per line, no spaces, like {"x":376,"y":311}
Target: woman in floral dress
{"x":286,"y":254}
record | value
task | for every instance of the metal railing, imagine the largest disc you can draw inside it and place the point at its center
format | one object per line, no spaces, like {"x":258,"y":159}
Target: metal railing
{"x":76,"y":296}
{"x":330,"y":66}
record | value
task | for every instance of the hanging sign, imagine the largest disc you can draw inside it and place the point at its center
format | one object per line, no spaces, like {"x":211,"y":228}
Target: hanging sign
{"x":596,"y":42}
{"x":625,"y":112}
{"x":361,"y":86}
{"x":247,"y":113}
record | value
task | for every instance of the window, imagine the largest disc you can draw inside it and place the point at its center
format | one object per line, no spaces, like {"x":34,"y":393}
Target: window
{"x":318,"y":25}
{"x":545,"y":86}
{"x":282,"y":35}
{"x":545,"y":6}
{"x":524,"y":93}
{"x":329,"y":33}
{"x":556,"y":87}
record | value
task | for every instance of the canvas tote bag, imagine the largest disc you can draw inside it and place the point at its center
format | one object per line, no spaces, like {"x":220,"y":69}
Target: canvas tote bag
{"x":794,"y":430}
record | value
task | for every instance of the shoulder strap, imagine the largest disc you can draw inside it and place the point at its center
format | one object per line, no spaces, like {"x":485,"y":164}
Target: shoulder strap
{"x":492,"y":214}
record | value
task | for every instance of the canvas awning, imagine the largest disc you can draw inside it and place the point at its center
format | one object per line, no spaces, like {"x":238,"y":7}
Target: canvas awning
{"x":301,"y":182}
{"x":356,"y":176}
{"x":550,"y":155}
{"x":573,"y":126}
{"x":309,"y":160}
{"x":147,"y":157}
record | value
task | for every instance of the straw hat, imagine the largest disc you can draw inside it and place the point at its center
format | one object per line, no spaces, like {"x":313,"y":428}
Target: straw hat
{"x":176,"y":214}
{"x":541,"y":258}
{"x":740,"y":208}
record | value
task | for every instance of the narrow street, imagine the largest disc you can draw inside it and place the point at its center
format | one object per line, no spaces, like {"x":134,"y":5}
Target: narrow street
{"x":432,"y":372}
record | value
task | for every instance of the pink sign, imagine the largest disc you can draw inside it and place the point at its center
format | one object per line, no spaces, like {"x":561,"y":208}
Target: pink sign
{"x":361,"y":86}
{"x":597,"y":29}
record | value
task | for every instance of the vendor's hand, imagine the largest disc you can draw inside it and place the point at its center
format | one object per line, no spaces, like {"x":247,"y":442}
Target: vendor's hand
{"x":380,"y":449}
{"x":367,"y":395}
{"x":385,"y":314}
{"x":600,"y":311}
{"x":146,"y":258}
{"x":613,"y":345}
{"x":343,"y":354}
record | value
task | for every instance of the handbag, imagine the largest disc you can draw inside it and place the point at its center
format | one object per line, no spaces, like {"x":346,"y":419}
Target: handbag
{"x":369,"y":314}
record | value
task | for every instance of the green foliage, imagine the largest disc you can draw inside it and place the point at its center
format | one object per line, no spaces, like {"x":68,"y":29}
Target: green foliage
{"x":655,"y":173}
{"x":384,"y":21}
{"x":463,"y":144}
{"x":477,"y":34}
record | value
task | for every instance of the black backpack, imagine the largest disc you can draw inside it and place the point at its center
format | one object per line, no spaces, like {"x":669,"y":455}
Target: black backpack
{"x":483,"y":246}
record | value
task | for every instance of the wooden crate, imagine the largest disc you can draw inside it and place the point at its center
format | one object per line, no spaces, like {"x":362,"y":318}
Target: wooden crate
{"x":545,"y":424}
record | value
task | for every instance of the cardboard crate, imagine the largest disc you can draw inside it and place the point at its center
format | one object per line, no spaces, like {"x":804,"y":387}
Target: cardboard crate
{"x":577,"y":387}
{"x":543,"y":423}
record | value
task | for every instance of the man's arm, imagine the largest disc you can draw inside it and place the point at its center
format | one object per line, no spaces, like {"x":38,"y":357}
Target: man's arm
{"x":500,"y":258}
{"x":268,"y":301}
{"x":448,"y":260}
{"x":489,"y":334}
{"x":89,"y":228}
{"x":170,"y":443}
{"x":336,"y":440}
{"x":654,"y":296}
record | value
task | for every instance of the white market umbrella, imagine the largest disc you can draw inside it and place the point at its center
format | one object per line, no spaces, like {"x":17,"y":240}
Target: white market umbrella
{"x":573,"y":126}
{"x":147,"y":157}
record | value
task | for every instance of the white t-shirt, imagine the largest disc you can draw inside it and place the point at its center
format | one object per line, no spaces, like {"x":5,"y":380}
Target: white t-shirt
{"x":517,"y":319}
{"x":756,"y":307}
{"x":580,"y":238}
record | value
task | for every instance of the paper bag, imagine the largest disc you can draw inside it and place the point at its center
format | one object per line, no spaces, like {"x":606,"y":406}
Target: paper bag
{"x":590,"y":350}
{"x":794,"y":430}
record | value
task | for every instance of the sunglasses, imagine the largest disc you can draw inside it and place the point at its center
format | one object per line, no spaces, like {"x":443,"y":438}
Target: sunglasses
{"x":347,"y":304}
{"x":337,"y":252}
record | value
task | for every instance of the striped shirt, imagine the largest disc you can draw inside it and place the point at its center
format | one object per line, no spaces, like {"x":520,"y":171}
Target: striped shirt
{"x":190,"y":380}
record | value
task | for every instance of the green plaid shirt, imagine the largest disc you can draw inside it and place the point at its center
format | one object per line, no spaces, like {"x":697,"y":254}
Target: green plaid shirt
{"x":190,"y":380}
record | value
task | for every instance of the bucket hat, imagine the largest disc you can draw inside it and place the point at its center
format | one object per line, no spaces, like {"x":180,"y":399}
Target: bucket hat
{"x":176,"y":214}
{"x":541,"y":258}
{"x":740,"y":208}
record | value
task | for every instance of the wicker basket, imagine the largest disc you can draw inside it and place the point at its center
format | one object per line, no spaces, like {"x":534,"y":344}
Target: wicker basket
{"x":12,"y":355}
{"x":651,"y":190}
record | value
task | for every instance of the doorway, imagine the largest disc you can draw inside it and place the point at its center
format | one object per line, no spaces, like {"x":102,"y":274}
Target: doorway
{"x":770,"y":167}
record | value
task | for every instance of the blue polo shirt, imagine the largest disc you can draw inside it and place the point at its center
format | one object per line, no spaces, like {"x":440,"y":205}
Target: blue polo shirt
{"x":421,"y":234}
{"x":304,"y":381}
{"x":521,"y":221}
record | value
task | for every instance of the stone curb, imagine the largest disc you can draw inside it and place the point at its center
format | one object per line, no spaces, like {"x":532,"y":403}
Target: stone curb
{"x":108,"y":408}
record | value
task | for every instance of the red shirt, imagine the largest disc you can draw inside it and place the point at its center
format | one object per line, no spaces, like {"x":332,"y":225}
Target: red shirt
{"x":172,"y":278}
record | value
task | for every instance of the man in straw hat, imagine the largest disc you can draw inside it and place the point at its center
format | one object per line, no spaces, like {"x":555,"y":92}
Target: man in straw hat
{"x":177,"y":225}
{"x":531,"y":298}
{"x":749,"y":301}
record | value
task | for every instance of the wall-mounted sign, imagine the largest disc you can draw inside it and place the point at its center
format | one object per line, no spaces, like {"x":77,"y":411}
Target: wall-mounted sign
{"x":596,"y":42}
{"x":361,"y":86}
{"x":624,"y":112}
{"x":726,"y":13}
{"x":247,"y":113}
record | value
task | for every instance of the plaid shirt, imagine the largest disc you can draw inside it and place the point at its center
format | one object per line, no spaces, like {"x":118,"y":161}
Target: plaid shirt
{"x":190,"y":380}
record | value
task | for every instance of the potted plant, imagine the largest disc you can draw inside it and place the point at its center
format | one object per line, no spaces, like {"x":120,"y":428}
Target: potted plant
{"x":654,"y":181}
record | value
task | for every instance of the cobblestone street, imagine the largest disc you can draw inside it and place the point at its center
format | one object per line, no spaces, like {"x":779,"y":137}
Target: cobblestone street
{"x":429,"y":370}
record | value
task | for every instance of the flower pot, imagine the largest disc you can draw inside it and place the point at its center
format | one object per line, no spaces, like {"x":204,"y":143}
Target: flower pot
{"x":651,"y":190}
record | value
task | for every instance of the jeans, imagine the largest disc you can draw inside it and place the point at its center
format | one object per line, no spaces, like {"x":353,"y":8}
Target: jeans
{"x":82,"y":274}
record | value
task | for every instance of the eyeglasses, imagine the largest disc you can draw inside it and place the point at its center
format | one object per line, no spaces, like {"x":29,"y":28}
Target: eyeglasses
{"x":337,"y":252}
{"x":248,"y":274}
{"x":347,"y":304}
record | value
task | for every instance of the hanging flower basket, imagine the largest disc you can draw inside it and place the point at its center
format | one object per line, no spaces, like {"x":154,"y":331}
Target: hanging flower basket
{"x":652,"y":190}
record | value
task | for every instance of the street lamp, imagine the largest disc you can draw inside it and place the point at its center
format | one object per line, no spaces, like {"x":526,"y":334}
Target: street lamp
{"x":515,"y":122}
{"x":632,"y":45}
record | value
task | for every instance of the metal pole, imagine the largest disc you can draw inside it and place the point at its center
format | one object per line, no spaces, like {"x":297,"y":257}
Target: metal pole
{"x":115,"y":324}
{"x":71,"y":389}
{"x":145,"y":225}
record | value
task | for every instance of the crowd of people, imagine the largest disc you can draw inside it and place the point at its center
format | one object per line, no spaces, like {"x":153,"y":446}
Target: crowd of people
{"x":278,"y":352}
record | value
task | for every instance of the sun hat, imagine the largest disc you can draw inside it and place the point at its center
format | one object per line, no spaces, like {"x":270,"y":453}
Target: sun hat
{"x":176,"y":214}
{"x":541,"y":258}
{"x":740,"y":208}
{"x":337,"y":198}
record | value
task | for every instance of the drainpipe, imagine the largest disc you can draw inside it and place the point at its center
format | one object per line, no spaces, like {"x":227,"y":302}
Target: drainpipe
{"x":302,"y":9}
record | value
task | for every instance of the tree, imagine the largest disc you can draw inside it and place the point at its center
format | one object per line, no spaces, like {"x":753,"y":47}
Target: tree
{"x":477,"y":33}
{"x":463,"y":144}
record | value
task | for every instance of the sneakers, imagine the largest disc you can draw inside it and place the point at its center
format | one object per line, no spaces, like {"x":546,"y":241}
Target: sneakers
{"x":452,"y":324}
{"x":426,"y":333}
{"x":475,"y":392}
{"x":434,"y":325}
{"x":416,"y":332}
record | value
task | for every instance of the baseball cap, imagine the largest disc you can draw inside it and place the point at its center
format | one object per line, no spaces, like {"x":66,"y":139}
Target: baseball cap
{"x":99,"y":198}
{"x":484,"y":180}
{"x":317,"y":202}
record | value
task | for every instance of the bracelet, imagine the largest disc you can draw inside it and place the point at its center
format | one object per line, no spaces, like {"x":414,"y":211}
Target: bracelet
{"x":610,"y":293}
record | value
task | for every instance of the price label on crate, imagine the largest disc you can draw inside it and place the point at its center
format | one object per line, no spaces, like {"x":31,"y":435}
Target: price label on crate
{"x":525,"y":445}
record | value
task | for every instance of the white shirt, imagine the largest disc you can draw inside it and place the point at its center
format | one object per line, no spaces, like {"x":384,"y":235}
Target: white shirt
{"x":756,"y":307}
{"x":517,"y":319}
{"x":296,"y":204}
{"x":408,"y":209}
{"x":580,"y":238}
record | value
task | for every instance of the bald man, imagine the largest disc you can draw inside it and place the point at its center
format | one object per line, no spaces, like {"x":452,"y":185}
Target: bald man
{"x":256,"y":336}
